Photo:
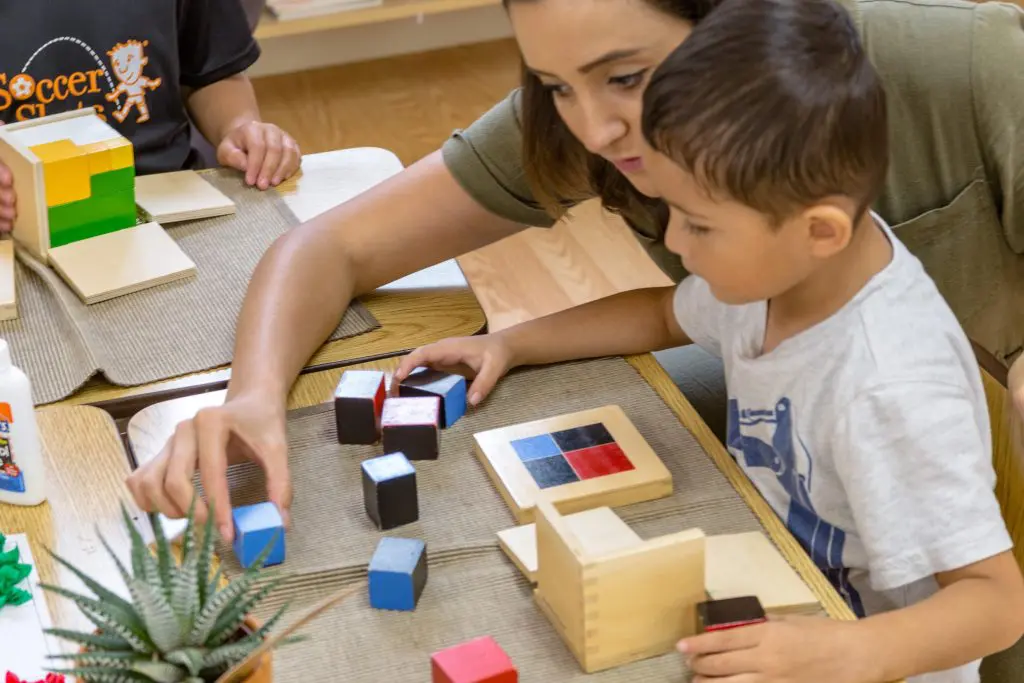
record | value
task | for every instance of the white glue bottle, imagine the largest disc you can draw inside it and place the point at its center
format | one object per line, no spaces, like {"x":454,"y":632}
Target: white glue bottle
{"x":22,"y":474}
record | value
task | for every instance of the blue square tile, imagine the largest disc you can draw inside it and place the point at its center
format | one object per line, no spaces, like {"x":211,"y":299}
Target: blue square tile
{"x":533,"y":447}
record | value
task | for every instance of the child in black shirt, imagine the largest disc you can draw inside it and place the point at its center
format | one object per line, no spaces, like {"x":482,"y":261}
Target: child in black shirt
{"x":146,"y":67}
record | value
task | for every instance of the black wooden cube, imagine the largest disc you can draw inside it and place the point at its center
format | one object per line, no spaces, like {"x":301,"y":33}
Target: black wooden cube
{"x":721,"y":615}
{"x":412,"y":426}
{"x":389,"y":491}
{"x":358,"y":404}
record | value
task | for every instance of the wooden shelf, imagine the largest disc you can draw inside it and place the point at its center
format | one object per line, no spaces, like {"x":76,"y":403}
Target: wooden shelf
{"x":390,"y":10}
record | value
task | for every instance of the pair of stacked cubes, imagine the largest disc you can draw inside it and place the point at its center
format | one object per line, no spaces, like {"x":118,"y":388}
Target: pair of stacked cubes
{"x":409,"y":428}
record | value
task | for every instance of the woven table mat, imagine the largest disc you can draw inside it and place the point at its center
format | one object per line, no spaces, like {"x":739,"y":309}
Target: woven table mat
{"x":468,"y":594}
{"x":164,"y":331}
{"x":459,"y":506}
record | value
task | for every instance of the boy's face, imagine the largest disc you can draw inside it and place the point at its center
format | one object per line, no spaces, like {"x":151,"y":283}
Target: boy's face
{"x":741,"y":255}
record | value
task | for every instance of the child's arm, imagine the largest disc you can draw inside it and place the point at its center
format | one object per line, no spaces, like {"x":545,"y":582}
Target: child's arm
{"x":636,"y":321}
{"x":979,"y":610}
{"x":226,"y":113}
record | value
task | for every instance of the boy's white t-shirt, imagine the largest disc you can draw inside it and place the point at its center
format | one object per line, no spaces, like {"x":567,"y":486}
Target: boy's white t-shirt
{"x":868,"y":434}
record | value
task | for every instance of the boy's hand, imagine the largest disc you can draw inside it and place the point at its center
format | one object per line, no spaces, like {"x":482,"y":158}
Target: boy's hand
{"x":1015,"y":385}
{"x":485,"y":357}
{"x":266,"y":154}
{"x":785,"y":650}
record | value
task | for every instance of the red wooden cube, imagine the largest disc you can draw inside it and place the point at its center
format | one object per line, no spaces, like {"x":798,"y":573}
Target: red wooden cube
{"x":412,"y":426}
{"x":480,"y":660}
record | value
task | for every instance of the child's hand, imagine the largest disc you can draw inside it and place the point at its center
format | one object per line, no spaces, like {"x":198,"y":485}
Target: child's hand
{"x":485,"y":357}
{"x":786,"y":650}
{"x":266,"y":154}
{"x":1015,"y":385}
{"x":7,"y":203}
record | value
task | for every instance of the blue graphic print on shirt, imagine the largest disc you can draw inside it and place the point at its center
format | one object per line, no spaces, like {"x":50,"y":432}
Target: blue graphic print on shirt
{"x":793,"y":467}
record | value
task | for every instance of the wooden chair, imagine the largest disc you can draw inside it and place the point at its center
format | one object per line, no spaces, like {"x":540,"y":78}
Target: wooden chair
{"x":1008,"y":460}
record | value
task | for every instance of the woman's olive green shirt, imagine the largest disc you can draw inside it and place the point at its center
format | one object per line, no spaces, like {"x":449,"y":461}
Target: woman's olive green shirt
{"x":954,"y":75}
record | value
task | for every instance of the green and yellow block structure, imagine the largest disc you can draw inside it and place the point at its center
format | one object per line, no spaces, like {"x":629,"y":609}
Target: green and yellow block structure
{"x":90,"y":188}
{"x":74,"y":176}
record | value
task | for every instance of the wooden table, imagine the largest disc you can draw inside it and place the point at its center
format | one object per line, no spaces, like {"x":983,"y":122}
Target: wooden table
{"x":89,"y":464}
{"x":418,"y":309}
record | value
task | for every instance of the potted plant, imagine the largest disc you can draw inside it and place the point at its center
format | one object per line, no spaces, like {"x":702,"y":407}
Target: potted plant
{"x":183,"y":622}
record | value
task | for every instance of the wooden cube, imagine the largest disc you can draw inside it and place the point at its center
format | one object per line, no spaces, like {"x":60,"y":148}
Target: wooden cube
{"x":411,"y":426}
{"x":255,"y":527}
{"x":450,"y":388}
{"x":480,"y":660}
{"x":389,"y":491}
{"x":358,"y":404}
{"x":398,"y":573}
{"x":720,"y":615}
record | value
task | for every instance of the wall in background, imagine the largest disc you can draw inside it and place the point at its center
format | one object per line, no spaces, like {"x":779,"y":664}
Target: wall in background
{"x":289,"y":54}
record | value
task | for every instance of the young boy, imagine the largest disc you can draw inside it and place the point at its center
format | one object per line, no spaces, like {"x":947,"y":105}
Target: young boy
{"x":855,"y":402}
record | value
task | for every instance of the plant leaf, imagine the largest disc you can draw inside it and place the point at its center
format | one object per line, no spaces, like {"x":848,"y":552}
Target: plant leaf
{"x":231,"y":619}
{"x":163,"y":556}
{"x":161,"y":672}
{"x":112,"y":660}
{"x":130,"y":628}
{"x":106,"y":642}
{"x":108,"y":597}
{"x":161,"y":623}
{"x":143,"y":562}
{"x":230,"y":654}
{"x":191,"y":658}
{"x":185,"y":595}
{"x":125,"y":576}
{"x":204,"y":566}
{"x":188,"y":540}
{"x":211,"y":612}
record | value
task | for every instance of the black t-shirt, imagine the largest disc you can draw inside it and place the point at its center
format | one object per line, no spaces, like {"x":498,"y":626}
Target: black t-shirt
{"x":57,"y":55}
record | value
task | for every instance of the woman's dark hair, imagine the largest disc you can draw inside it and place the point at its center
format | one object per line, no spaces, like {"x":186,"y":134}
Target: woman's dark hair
{"x":560,"y":170}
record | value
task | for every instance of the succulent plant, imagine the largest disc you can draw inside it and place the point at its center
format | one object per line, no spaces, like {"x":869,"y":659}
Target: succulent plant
{"x":181,"y":624}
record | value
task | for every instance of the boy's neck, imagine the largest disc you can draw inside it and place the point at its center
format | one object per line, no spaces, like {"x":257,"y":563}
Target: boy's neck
{"x":830,"y":287}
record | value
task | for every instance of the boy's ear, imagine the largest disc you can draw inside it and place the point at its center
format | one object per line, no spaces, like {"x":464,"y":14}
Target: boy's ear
{"x":829,"y":229}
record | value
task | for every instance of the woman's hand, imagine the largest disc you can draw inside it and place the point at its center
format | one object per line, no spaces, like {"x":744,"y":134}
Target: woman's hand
{"x":485,"y":357}
{"x":266,"y":154}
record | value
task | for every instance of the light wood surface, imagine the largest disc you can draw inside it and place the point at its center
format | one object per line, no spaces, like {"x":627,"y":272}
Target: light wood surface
{"x":418,"y":309}
{"x":388,"y":10}
{"x":86,"y":470}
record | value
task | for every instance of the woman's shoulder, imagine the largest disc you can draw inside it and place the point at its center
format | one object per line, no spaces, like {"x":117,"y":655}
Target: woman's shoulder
{"x":486,"y":159}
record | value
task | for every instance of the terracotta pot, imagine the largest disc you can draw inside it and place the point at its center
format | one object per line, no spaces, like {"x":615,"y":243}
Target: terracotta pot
{"x":264,"y":671}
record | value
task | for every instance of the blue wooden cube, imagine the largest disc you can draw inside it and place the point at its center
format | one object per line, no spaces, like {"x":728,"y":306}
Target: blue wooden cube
{"x":450,"y":388}
{"x":255,"y":527}
{"x":398,"y":573}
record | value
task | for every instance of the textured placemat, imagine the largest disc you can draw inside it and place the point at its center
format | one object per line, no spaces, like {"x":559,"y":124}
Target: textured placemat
{"x":459,"y":506}
{"x":164,"y":331}
{"x":472,"y":588}
{"x":476,"y":594}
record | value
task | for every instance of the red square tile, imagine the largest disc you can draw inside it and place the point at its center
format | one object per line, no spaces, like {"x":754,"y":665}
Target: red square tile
{"x":599,"y":461}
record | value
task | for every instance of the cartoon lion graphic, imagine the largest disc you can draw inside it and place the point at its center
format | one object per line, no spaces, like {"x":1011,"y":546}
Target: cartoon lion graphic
{"x":128,"y":60}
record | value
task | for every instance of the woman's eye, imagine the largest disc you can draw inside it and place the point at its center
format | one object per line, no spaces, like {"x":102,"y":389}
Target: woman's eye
{"x":697,"y":229}
{"x":555,"y":89}
{"x":629,"y":80}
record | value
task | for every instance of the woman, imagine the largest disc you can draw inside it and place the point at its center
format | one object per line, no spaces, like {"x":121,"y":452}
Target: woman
{"x":956,"y":106}
{"x":150,"y":70}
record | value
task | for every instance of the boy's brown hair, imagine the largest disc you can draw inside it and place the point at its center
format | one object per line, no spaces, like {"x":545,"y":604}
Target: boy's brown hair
{"x":774,"y":103}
